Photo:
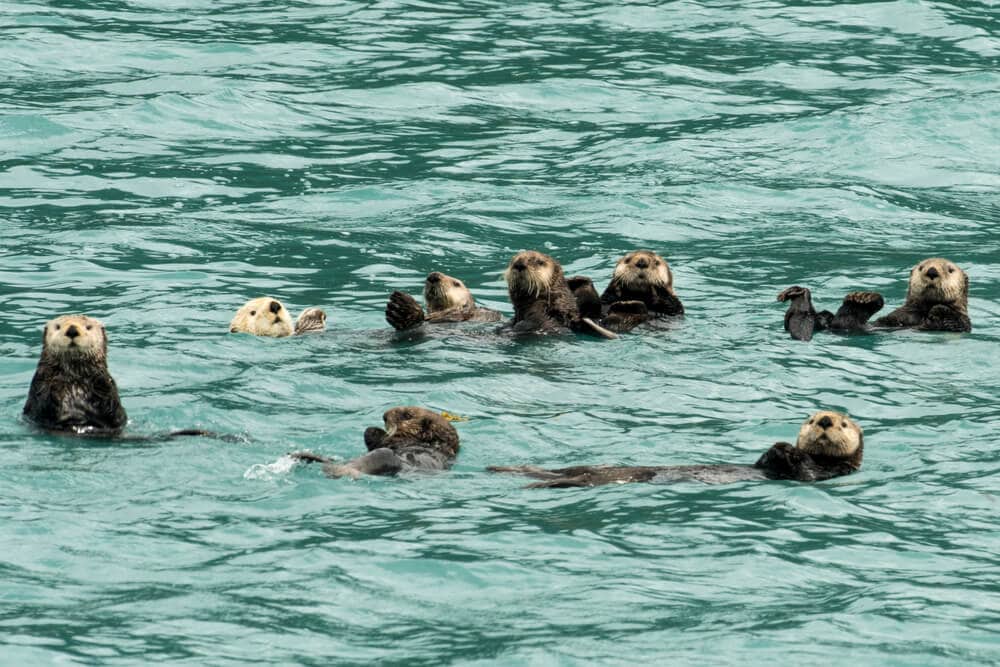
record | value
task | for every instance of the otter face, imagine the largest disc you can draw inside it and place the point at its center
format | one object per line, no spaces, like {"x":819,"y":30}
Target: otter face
{"x":75,"y":335}
{"x":310,"y":319}
{"x":642,"y":269}
{"x":442,"y":292}
{"x":937,"y":280}
{"x":420,"y":424}
{"x":830,"y":434}
{"x":262,"y":317}
{"x":531,"y":273}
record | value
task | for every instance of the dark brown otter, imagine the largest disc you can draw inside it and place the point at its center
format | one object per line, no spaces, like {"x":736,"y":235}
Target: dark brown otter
{"x":413,"y":439}
{"x":447,"y":300}
{"x":937,"y":299}
{"x":641,"y":289}
{"x":72,"y":389}
{"x":802,"y":320}
{"x":542,"y":299}
{"x":829,"y":445}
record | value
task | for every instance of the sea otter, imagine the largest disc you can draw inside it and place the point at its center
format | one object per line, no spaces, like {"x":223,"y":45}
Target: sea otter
{"x":447,"y":300}
{"x":542,"y":299}
{"x":413,"y":439}
{"x":265,"y":316}
{"x":801,"y":319}
{"x":72,"y":390}
{"x":641,"y":289}
{"x":829,"y":445}
{"x":937,"y":299}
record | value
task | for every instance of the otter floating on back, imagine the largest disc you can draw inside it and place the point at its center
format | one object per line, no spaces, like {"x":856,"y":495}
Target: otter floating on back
{"x":447,"y":300}
{"x":265,"y":316}
{"x":413,"y":439}
{"x":641,"y":290}
{"x":937,"y":299}
{"x":829,"y":445}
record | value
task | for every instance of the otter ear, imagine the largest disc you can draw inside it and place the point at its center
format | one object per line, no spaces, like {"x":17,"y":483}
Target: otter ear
{"x":45,"y":330}
{"x":232,"y":329}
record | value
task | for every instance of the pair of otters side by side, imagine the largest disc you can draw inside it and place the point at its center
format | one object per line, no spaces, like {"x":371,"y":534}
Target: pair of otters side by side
{"x":73,"y":392}
{"x":544,"y":301}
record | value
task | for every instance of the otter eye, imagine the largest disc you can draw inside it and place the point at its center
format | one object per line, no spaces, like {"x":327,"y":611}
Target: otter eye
{"x":457,"y":284}
{"x":252,"y":313}
{"x":89,"y":327}
{"x":843,"y":424}
{"x":406,"y":415}
{"x":920,"y":268}
{"x":57,"y":327}
{"x":951,"y":269}
{"x":810,"y":421}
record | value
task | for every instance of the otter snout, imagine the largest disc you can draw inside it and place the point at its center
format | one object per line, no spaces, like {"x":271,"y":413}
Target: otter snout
{"x":642,"y":263}
{"x":519,"y":265}
{"x":932,"y":273}
{"x":434,"y":277}
{"x":72,"y":331}
{"x":825,"y":422}
{"x":274,"y":307}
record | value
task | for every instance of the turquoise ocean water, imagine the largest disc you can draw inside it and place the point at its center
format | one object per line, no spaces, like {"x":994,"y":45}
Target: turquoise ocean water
{"x":162,"y":162}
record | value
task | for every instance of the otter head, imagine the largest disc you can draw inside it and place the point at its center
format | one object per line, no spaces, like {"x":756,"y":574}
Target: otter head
{"x":937,"y":280}
{"x":831,"y":434}
{"x":262,"y":317}
{"x":310,"y":319}
{"x":413,"y":423}
{"x":531,"y":274}
{"x":642,"y":269}
{"x":442,"y":292}
{"x":75,"y":336}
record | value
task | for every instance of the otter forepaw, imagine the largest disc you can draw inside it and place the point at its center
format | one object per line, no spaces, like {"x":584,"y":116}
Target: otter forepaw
{"x":308,"y":457}
{"x":628,"y":307}
{"x":403,"y":312}
{"x":374,"y":437}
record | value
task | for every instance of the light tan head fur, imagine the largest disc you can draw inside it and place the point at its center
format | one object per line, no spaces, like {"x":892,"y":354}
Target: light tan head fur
{"x":937,"y":280}
{"x":310,"y":320}
{"x":442,"y":292}
{"x":74,"y":336}
{"x":830,"y":434}
{"x":263,"y":316}
{"x":641,"y":269}
{"x":531,"y":273}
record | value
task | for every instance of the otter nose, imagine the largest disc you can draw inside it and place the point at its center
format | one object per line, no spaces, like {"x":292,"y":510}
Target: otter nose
{"x":434,"y":277}
{"x":932,"y":273}
{"x":275,"y":307}
{"x":642,"y":263}
{"x":519,"y":265}
{"x":72,"y":331}
{"x":825,"y":422}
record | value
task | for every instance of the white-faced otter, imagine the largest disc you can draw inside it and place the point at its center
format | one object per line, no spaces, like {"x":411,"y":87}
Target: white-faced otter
{"x":641,"y":289}
{"x":829,"y":445}
{"x":265,"y":316}
{"x":72,"y":390}
{"x":937,"y":299}
{"x":413,"y":439}
{"x":542,"y":299}
{"x":447,"y":300}
{"x":801,"y":319}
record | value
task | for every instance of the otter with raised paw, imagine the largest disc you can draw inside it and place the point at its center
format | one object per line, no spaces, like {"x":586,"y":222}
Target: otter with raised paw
{"x":447,"y":300}
{"x":829,"y":445}
{"x":802,"y":320}
{"x":265,"y":316}
{"x":413,"y":439}
{"x":937,"y":299}
{"x":542,"y":299}
{"x":641,"y":290}
{"x":72,"y":390}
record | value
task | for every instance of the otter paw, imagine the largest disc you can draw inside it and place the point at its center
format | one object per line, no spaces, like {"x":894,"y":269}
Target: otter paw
{"x":308,"y":457}
{"x":628,"y":307}
{"x":403,"y":312}
{"x":792,"y":292}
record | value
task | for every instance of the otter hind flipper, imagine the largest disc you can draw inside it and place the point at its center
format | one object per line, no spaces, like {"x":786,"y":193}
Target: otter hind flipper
{"x":562,"y":483}
{"x":856,"y":310}
{"x":403,"y":312}
{"x":800,"y":318}
{"x":588,"y":302}
{"x":529,"y":471}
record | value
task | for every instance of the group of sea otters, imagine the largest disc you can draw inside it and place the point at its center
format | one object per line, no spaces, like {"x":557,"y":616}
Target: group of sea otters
{"x":73,"y":392}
